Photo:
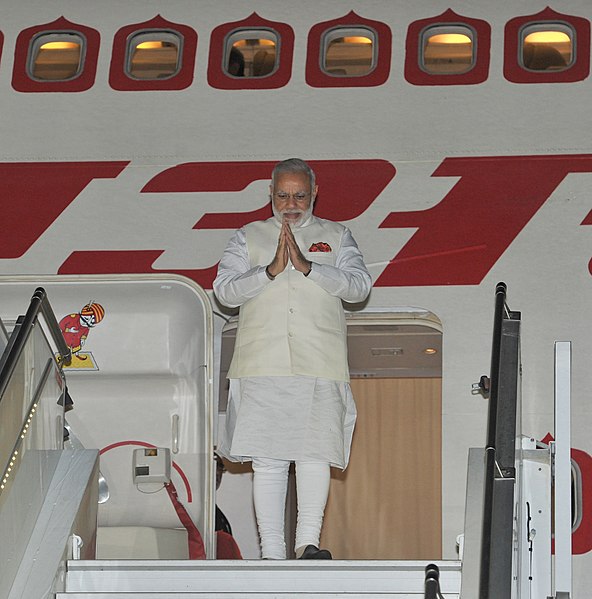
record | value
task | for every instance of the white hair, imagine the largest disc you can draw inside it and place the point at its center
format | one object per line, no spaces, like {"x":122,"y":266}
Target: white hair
{"x":293,"y":165}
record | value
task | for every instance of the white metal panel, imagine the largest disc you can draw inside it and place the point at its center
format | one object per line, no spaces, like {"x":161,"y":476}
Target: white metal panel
{"x":253,"y":595}
{"x":258,"y":576}
{"x":562,"y":512}
{"x":18,"y":517}
{"x":68,"y":506}
{"x":533,"y":526}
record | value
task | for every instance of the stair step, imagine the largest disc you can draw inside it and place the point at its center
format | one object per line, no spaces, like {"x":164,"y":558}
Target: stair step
{"x":231,"y":579}
{"x":242,"y":595}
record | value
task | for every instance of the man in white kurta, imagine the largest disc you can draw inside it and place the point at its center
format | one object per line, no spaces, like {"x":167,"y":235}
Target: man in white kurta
{"x":290,"y":399}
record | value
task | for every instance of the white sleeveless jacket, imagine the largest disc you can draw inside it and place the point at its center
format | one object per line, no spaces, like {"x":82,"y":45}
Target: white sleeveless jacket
{"x":293,"y":327}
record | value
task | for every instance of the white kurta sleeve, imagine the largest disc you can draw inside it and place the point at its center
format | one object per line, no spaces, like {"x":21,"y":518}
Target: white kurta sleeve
{"x":349,"y":279}
{"x":236,"y":281}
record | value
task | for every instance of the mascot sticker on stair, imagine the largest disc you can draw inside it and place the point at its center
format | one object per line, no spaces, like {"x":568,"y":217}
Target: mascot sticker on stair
{"x":76,"y":328}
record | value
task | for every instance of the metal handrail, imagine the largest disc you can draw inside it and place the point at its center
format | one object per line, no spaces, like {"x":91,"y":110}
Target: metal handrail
{"x":498,"y":319}
{"x":432,"y":582}
{"x":500,"y":302}
{"x":39,"y":304}
{"x":499,"y":476}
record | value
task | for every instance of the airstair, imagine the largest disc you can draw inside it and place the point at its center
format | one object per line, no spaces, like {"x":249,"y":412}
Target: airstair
{"x":48,"y":503}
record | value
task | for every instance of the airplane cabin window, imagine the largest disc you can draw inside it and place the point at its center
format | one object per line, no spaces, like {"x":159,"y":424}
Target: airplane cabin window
{"x":547,"y":48}
{"x":56,"y":57}
{"x":349,"y":52}
{"x":251,"y":54}
{"x":447,"y":50}
{"x":153,"y":55}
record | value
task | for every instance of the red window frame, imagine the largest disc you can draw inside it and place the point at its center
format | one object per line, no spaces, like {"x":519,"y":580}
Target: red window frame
{"x":121,"y":81}
{"x":316,"y":77}
{"x":21,"y":81}
{"x":415,"y":75}
{"x":217,"y":76}
{"x":578,"y":71}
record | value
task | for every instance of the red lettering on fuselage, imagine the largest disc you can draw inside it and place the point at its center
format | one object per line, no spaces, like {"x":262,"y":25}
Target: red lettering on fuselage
{"x":34,"y":194}
{"x":462,"y":237}
{"x":457,"y":241}
{"x":129,"y":261}
{"x":348,"y":187}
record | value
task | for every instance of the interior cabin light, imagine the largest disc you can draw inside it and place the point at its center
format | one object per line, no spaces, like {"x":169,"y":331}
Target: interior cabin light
{"x":251,"y":54}
{"x":447,"y":52}
{"x":547,"y":37}
{"x":253,"y":42}
{"x":449,"y":38}
{"x":150,"y":45}
{"x":358,"y":39}
{"x":154,"y":55}
{"x":547,"y":50}
{"x":349,"y":52}
{"x":60,"y":46}
{"x":430,"y":351}
{"x":56,"y":60}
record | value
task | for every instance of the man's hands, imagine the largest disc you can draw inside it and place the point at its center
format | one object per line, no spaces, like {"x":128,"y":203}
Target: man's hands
{"x":280,"y":260}
{"x":299,"y":262}
{"x":288,"y":250}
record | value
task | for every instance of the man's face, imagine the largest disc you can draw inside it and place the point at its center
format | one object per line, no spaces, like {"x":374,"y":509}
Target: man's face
{"x":292,"y":198}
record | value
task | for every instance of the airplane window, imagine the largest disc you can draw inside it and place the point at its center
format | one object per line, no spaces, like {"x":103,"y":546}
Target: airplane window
{"x":447,"y":50}
{"x":547,"y":49}
{"x":349,"y":52}
{"x":251,"y":53}
{"x":56,"y":57}
{"x":154,"y":55}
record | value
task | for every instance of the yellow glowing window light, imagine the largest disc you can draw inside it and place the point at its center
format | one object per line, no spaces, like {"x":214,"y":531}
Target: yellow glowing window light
{"x":449,"y":38}
{"x":357,"y":39}
{"x":547,"y":37}
{"x":149,"y":45}
{"x":447,"y":52}
{"x":154,"y":55}
{"x":547,"y":50}
{"x":251,"y":53}
{"x":254,"y":42}
{"x":56,"y":59}
{"x":60,"y":46}
{"x":349,"y":52}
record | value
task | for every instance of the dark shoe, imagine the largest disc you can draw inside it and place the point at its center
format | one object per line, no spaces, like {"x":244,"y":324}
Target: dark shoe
{"x":312,"y":552}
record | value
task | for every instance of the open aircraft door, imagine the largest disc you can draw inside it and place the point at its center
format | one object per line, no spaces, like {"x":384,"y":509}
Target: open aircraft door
{"x":141,"y":384}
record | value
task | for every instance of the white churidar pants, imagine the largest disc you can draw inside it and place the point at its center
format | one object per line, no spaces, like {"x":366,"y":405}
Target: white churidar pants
{"x":270,"y":483}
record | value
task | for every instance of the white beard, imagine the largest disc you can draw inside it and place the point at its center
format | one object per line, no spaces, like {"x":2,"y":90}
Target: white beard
{"x":304,"y":215}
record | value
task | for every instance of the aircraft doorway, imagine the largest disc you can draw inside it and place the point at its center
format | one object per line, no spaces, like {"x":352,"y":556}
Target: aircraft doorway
{"x":387,"y":504}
